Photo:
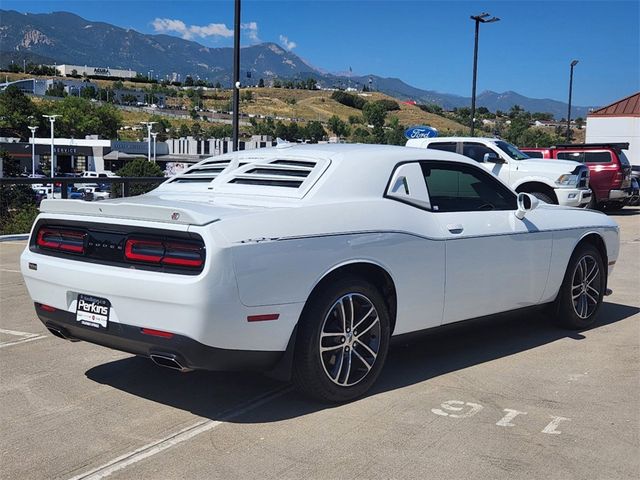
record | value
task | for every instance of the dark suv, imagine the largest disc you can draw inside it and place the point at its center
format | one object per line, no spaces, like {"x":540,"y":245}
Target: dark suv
{"x":609,"y":168}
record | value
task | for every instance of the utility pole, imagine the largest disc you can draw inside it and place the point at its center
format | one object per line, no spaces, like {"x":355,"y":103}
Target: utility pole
{"x":149,"y":127}
{"x":154,"y":135}
{"x":236,"y":75}
{"x":52,"y":120}
{"x":573,"y":64}
{"x":33,"y":150}
{"x":482,"y":18}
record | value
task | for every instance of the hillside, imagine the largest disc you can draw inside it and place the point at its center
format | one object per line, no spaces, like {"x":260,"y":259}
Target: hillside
{"x":64,"y":37}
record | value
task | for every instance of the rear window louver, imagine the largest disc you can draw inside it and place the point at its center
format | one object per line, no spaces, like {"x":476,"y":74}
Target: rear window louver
{"x":268,"y":176}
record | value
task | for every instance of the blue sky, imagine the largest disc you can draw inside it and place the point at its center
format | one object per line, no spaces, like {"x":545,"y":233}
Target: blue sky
{"x":428,"y":44}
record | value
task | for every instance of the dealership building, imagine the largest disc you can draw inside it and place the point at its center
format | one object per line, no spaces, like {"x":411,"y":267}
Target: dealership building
{"x":68,"y":70}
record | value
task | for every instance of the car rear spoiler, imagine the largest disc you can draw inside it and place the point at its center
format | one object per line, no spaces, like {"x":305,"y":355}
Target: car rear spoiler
{"x":615,"y":146}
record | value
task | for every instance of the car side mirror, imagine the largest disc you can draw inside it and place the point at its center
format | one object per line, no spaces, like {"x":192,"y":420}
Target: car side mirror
{"x":492,"y":158}
{"x":526,"y":203}
{"x":407,"y":185}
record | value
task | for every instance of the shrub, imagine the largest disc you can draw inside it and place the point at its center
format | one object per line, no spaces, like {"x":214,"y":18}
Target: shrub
{"x":139,"y":167}
{"x":349,"y":100}
{"x":388,"y":105}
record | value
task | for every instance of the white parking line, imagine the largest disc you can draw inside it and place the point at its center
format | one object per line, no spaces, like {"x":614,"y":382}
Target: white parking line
{"x":24,"y":337}
{"x":181,"y":436}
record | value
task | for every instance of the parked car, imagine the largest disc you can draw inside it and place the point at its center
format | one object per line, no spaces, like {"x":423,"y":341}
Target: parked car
{"x":304,"y":260}
{"x":100,"y":174}
{"x":565,"y":183}
{"x":93,"y":191}
{"x":610,"y":171}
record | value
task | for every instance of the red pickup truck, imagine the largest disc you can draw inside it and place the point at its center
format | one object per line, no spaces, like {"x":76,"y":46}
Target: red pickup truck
{"x":609,"y":169}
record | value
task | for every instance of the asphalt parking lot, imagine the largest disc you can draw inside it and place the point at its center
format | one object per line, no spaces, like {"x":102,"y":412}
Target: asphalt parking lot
{"x":509,"y":397}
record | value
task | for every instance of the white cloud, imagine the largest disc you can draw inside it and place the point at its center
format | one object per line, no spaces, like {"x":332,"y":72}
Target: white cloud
{"x":188,"y":32}
{"x":252,"y":31}
{"x":288,"y":44}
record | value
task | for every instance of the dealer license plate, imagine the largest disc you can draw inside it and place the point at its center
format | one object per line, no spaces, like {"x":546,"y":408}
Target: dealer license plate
{"x":93,"y":311}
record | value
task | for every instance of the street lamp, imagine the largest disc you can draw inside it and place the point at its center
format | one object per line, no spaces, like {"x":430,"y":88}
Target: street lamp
{"x":236,"y":75}
{"x":154,"y":135}
{"x":52,"y":120}
{"x":573,"y":64}
{"x":33,"y":151}
{"x":149,"y":127}
{"x":482,"y":18}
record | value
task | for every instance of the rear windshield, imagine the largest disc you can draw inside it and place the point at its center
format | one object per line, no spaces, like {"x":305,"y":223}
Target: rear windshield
{"x":586,"y":157}
{"x":511,"y":150}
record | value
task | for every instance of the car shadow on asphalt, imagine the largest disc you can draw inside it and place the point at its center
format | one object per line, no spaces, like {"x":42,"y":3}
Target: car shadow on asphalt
{"x":625,"y":212}
{"x":410,"y":361}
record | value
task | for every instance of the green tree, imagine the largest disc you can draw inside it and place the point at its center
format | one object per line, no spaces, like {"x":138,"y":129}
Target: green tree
{"x":261,"y":83}
{"x":374,"y":114}
{"x":395,"y":133}
{"x":315,"y":131}
{"x":17,"y":112}
{"x":361,"y":135}
{"x":579,"y":123}
{"x":338,"y":126}
{"x":183,"y":131}
{"x":79,"y":117}
{"x":139,"y":167}
{"x":17,"y":202}
{"x":188,"y":82}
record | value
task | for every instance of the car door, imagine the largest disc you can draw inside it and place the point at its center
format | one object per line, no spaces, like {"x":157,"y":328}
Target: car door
{"x":477,"y":151}
{"x":494,"y":261}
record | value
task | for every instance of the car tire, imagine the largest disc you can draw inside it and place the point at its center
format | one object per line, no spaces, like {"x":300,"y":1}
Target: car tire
{"x":333,"y":361}
{"x":593,"y":202}
{"x":544,"y":197}
{"x":582,"y":290}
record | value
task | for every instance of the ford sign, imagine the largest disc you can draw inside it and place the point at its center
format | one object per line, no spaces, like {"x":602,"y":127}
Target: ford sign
{"x":420,"y":132}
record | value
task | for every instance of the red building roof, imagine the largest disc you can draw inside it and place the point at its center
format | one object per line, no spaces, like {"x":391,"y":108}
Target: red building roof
{"x":627,"y":107}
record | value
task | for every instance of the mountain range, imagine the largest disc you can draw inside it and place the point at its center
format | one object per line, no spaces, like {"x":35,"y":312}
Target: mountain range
{"x":66,"y":38}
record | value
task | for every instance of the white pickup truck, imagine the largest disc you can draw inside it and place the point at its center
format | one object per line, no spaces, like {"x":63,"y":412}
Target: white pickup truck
{"x":560,"y":182}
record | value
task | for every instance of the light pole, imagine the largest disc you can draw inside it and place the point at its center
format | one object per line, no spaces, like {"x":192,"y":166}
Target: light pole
{"x":573,"y":64}
{"x":33,"y":151}
{"x":154,"y":135}
{"x":236,"y":74}
{"x":149,"y":127}
{"x":52,"y":120}
{"x":482,"y":18}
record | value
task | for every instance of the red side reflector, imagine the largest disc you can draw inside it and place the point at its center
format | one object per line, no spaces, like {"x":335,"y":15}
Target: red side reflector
{"x":47,"y":308}
{"x":156,"y":333}
{"x":263,"y":318}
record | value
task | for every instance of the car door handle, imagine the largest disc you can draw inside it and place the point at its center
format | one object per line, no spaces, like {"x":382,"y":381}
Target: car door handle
{"x":455,"y":228}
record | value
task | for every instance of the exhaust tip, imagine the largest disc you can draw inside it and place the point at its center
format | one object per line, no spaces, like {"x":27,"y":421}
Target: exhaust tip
{"x":58,"y":332}
{"x":168,"y":360}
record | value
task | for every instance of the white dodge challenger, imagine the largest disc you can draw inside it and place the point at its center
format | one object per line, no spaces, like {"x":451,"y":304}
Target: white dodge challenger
{"x":303,"y":261}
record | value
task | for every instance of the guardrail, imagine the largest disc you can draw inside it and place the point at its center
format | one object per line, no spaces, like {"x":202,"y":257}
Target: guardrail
{"x":64,"y":182}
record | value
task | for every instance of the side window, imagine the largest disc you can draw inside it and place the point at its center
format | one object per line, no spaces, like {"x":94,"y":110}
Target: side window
{"x":444,"y":146}
{"x":463,"y":188}
{"x":534,"y":154}
{"x":574,"y":156}
{"x":476,"y":151}
{"x":597,"y":157}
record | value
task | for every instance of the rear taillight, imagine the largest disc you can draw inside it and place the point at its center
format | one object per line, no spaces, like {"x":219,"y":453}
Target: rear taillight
{"x":173,"y":253}
{"x":619,"y":178}
{"x":61,"y":239}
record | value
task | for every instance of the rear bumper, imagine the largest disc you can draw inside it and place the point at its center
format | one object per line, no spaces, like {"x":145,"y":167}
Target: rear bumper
{"x":573,"y":197}
{"x":620,"y":195}
{"x":188,"y":352}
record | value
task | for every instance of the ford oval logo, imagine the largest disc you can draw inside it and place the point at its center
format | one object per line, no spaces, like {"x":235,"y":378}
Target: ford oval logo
{"x":420,"y":132}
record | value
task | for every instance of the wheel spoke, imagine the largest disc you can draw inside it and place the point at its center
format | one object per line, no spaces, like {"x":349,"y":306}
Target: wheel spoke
{"x":367,"y":329}
{"x":352,"y":313}
{"x":334,"y":347}
{"x":583,"y":306}
{"x":346,"y":377}
{"x":343,"y":316}
{"x":589,"y":287}
{"x":338,"y":369}
{"x":594,"y":271}
{"x":371,"y":310}
{"x":331,"y":334}
{"x":366,"y":364}
{"x":594,"y":300}
{"x":366,"y":347}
